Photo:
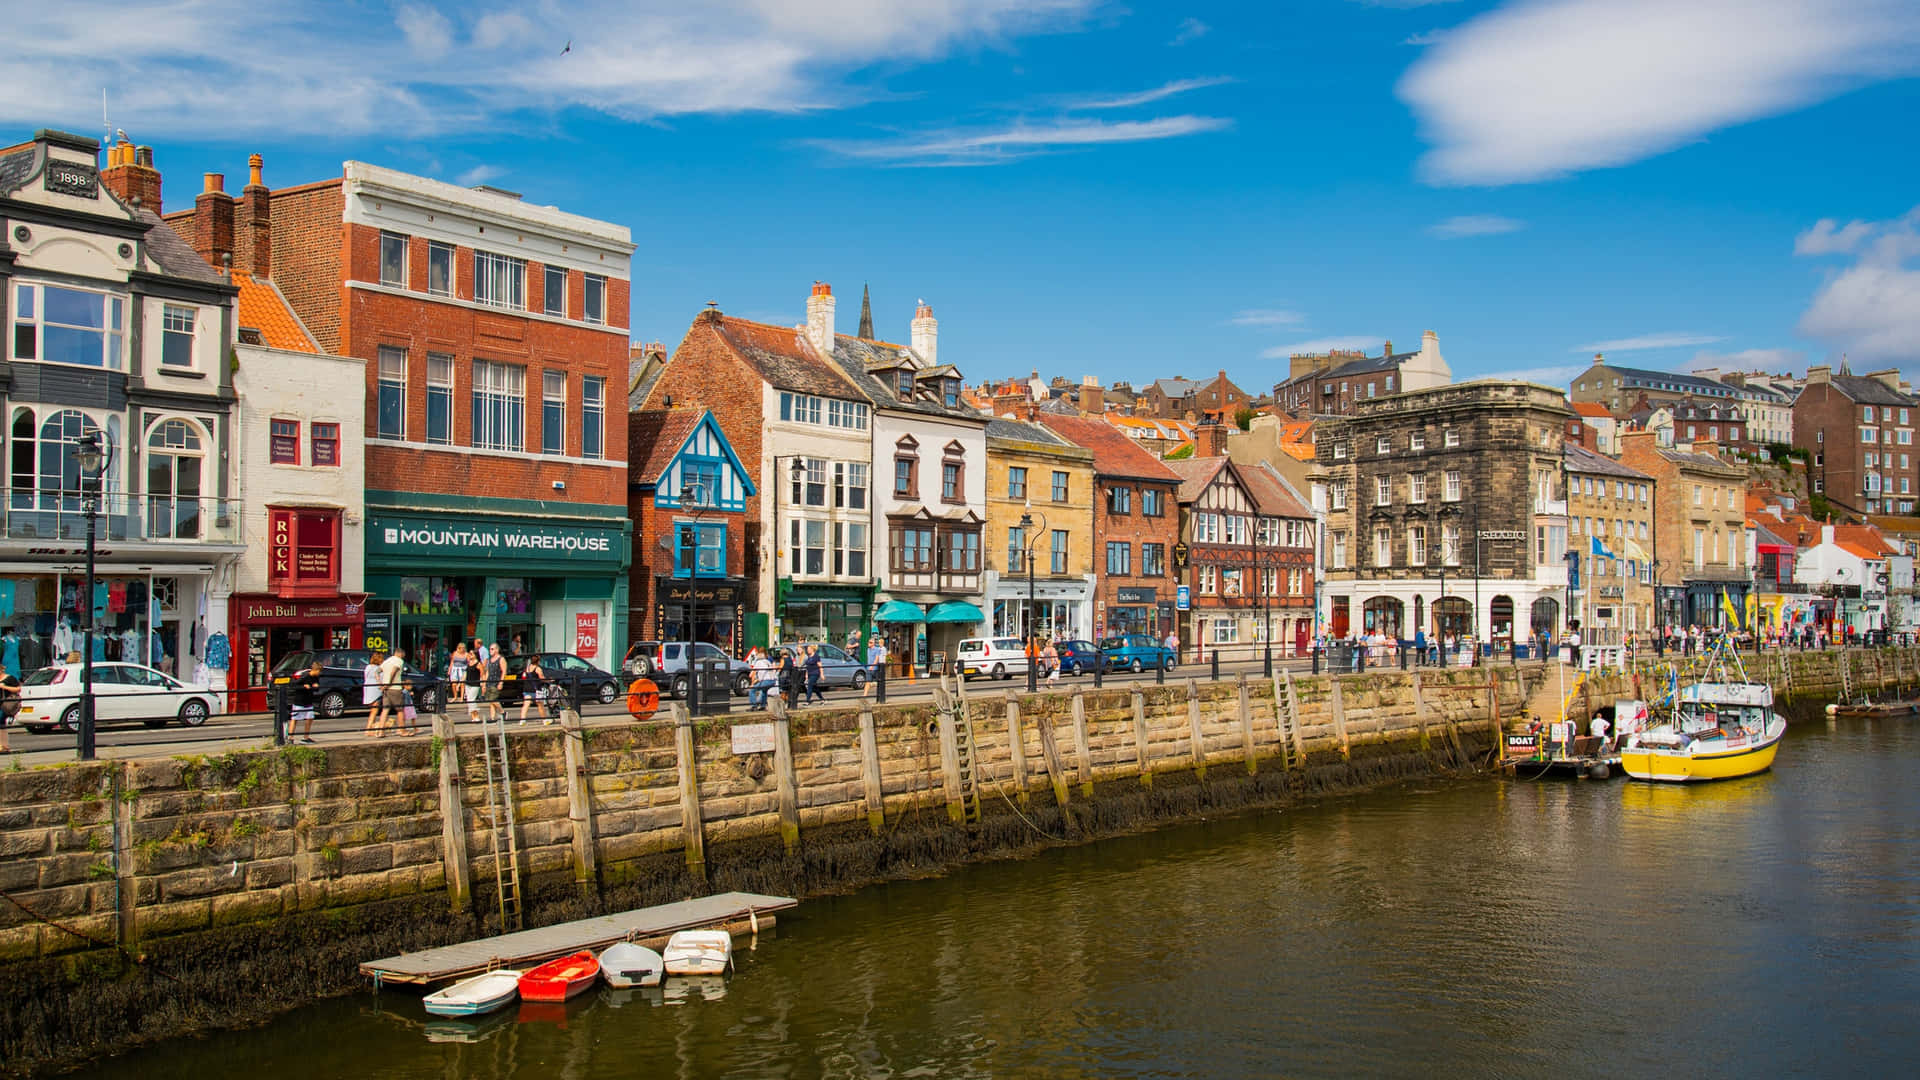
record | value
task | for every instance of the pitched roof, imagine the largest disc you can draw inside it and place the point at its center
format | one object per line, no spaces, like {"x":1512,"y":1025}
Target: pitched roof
{"x":1591,"y":408}
{"x":856,"y":357}
{"x":1175,"y":388}
{"x":1195,"y":474}
{"x":16,"y":166}
{"x":654,"y":437}
{"x":1270,"y":494}
{"x":1114,"y":453}
{"x":1582,"y":460}
{"x":1648,"y":378}
{"x":264,"y":309}
{"x":1865,"y":536}
{"x":173,"y":254}
{"x":1021,"y":431}
{"x":1858,"y":551}
{"x":1695,"y":461}
{"x":1869,"y":391}
{"x":782,"y":356}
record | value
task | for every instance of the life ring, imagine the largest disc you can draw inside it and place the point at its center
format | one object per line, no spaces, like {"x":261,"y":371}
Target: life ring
{"x":643,"y":699}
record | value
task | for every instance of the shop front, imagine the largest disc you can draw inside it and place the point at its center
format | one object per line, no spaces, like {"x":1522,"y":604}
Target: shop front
{"x":1134,"y":610}
{"x":266,"y":628}
{"x":1058,"y":610}
{"x":840,"y":614}
{"x":529,"y":584}
{"x":709,"y":611}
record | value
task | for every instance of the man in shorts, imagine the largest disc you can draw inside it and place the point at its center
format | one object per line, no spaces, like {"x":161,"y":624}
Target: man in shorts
{"x":393,"y":691}
{"x":305,"y":689}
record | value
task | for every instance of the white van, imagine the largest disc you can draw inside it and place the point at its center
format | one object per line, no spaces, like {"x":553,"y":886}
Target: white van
{"x":1000,"y":657}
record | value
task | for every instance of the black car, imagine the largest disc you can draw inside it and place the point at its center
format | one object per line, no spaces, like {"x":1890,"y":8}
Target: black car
{"x":564,"y":671}
{"x":343,"y":680}
{"x":1077,"y":657}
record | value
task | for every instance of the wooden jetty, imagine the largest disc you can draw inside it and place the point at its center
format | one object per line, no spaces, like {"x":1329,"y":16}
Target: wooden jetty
{"x":527,"y":947}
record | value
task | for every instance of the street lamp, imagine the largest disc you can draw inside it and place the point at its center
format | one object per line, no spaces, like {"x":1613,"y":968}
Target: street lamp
{"x":1026,"y":543}
{"x":1840,"y":590}
{"x":92,"y":454}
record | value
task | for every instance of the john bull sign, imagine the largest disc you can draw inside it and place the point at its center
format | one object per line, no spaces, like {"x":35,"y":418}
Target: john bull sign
{"x":442,"y":539}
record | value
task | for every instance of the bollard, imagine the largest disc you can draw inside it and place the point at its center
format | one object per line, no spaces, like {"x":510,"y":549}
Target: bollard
{"x":1160,"y":671}
{"x":1359,"y":658}
{"x":880,"y":684}
{"x":1214,"y":659}
{"x":282,"y":715}
{"x":1266,"y":667}
{"x":1403,"y":656}
{"x":1314,"y":652}
{"x":1099,"y":666}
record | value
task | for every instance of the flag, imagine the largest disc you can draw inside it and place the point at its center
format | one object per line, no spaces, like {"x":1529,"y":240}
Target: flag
{"x":1726,"y":605}
{"x":1636,"y":552}
{"x":1599,"y":548}
{"x":1753,"y":610}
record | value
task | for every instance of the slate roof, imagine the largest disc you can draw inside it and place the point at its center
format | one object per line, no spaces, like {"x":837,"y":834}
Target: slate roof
{"x":1696,"y":461}
{"x":654,"y":436}
{"x":856,"y":357}
{"x":1020,"y":431}
{"x":1271,"y":496}
{"x":264,"y":309}
{"x":1699,"y":384}
{"x":1870,"y":391}
{"x":171,"y":252}
{"x":1175,"y":388}
{"x":783,"y":358}
{"x":15,"y":167}
{"x":1195,"y":474}
{"x":1582,"y":460}
{"x":1114,"y":452}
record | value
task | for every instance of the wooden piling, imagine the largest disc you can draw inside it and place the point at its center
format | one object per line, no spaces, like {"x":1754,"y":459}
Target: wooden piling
{"x":786,"y":784}
{"x":947,"y":705}
{"x":1082,"y":755}
{"x":1050,"y":750}
{"x":685,"y":759}
{"x":870,"y":770}
{"x":1141,"y":754}
{"x":453,"y":815}
{"x":1337,"y":703}
{"x":1017,"y":744}
{"x":127,"y":923}
{"x":1246,"y":724}
{"x":573,"y":747}
{"x":1195,"y":738}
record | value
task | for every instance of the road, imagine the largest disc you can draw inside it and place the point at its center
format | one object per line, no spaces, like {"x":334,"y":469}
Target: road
{"x":251,"y":730}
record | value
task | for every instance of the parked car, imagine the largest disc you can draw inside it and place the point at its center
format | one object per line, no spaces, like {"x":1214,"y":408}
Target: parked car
{"x":669,"y":667}
{"x":564,"y":670}
{"x":1076,"y":657}
{"x":50,"y":698}
{"x":639,"y":660}
{"x":343,"y":680}
{"x":1000,"y":658}
{"x":838,"y":667}
{"x":1136,"y":652}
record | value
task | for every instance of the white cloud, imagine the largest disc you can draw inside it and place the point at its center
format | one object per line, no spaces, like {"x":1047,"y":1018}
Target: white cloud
{"x":1142,"y":97}
{"x":1649,"y":341}
{"x":1829,"y":237}
{"x":1558,"y":375}
{"x":479,"y":174}
{"x":999,"y":145}
{"x":1871,"y":309}
{"x":1775,"y":360}
{"x":1268,"y":317}
{"x":1189,"y":30}
{"x":1321,"y":345}
{"x":1425,"y":37}
{"x":238,"y":68}
{"x":1541,"y":88}
{"x":1475,"y":225}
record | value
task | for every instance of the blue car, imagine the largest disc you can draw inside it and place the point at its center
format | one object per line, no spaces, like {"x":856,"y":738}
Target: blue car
{"x":1136,"y":652}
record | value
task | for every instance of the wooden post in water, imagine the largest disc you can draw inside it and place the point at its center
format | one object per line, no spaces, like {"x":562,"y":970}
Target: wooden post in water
{"x":870,"y":770}
{"x":573,"y":752}
{"x":1420,"y":712}
{"x":128,"y":923}
{"x":1246,"y":724}
{"x":1195,"y":738}
{"x":1050,"y":750}
{"x":786,"y":784}
{"x":947,"y":705}
{"x":1140,"y":752}
{"x":1017,"y":745}
{"x":685,"y":749}
{"x":1338,"y":704}
{"x":453,"y":815}
{"x":1083,"y":757}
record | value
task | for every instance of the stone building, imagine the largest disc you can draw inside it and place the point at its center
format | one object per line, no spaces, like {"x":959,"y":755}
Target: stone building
{"x":1610,"y":528}
{"x":1859,"y":429}
{"x":1332,"y":383}
{"x":1700,"y":537}
{"x":1037,"y":476}
{"x":1136,"y":523}
{"x":117,"y":331}
{"x":1446,"y":511}
{"x":1619,"y":388}
{"x":494,"y":333}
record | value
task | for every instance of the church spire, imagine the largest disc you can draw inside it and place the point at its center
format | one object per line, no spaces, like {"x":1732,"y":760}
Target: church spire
{"x":866,"y":313}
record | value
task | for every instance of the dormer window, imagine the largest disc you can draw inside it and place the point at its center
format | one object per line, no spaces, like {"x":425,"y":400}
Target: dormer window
{"x":903,"y":383}
{"x":951,"y":388}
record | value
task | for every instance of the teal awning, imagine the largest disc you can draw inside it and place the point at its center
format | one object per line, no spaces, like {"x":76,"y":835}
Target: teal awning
{"x":899,"y":611}
{"x":955,"y":611}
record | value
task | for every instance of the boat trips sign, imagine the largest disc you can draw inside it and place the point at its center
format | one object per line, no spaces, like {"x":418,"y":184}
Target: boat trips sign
{"x":396,"y":537}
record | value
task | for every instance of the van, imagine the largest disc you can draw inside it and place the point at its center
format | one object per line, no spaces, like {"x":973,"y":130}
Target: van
{"x":999,"y":658}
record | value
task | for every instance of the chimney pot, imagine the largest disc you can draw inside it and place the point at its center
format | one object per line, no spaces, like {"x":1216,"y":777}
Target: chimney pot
{"x":820,"y":318}
{"x":214,"y":182}
{"x":254,"y":162}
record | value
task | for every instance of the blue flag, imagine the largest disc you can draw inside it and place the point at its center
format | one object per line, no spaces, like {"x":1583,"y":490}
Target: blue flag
{"x":1599,"y":548}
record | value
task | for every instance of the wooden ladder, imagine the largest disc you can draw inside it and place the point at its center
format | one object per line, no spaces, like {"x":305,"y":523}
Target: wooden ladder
{"x":503,"y":833}
{"x":964,"y":749}
{"x":1846,"y":676}
{"x":1283,"y":716}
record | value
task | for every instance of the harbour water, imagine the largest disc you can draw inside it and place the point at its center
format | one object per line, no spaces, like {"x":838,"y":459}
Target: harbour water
{"x":1766,"y":926}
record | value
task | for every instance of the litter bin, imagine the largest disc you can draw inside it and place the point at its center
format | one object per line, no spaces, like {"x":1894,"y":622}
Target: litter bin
{"x":715,"y":679}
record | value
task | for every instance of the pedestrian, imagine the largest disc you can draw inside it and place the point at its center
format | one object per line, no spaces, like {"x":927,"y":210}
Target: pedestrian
{"x":876,"y":660}
{"x":305,"y":689}
{"x":532,"y":679}
{"x":1050,"y":662}
{"x":393,"y":691}
{"x":790,"y":678}
{"x":9,"y":707}
{"x":761,"y":667}
{"x":493,"y":676}
{"x":1173,"y":645}
{"x":370,"y":691}
{"x":814,"y":672}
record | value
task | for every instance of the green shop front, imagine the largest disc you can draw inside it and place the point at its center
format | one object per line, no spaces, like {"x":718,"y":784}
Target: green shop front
{"x":530,"y":583}
{"x":835,"y":613}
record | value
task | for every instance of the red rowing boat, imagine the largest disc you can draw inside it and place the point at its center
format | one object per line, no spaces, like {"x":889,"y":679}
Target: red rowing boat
{"x":558,"y":980}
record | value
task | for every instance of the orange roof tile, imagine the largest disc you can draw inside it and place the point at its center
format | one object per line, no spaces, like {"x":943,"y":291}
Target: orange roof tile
{"x":1591,"y":408}
{"x":1857,"y":551}
{"x":262,"y":308}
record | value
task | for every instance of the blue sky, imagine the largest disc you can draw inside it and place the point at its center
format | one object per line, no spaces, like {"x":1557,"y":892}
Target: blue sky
{"x":1127,"y":190}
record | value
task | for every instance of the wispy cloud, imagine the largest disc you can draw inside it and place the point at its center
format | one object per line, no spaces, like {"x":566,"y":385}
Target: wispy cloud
{"x":1649,"y":341}
{"x":1321,"y":345}
{"x":1190,"y":30}
{"x":1534,"y":90}
{"x":1012,"y":142}
{"x":1143,"y":97}
{"x":1425,"y":37}
{"x":1748,"y":360}
{"x":1475,"y":225}
{"x":240,"y":68}
{"x":1268,"y":317}
{"x":1401,"y":3}
{"x":1870,"y":309}
{"x":1556,"y":375}
{"x":479,"y":174}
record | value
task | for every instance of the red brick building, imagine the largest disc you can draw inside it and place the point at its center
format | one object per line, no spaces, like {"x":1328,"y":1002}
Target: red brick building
{"x":1859,"y":429}
{"x":690,"y":496}
{"x":1136,"y":523}
{"x":495,"y":338}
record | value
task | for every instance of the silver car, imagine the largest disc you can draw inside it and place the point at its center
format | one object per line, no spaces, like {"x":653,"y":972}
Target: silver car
{"x":838,"y":667}
{"x":669,"y":667}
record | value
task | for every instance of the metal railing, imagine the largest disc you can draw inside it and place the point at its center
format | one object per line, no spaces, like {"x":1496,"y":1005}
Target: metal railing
{"x":61,"y":515}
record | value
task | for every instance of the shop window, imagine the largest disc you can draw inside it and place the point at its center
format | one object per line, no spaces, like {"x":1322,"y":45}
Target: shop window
{"x":326,"y":444}
{"x":284,"y":442}
{"x":700,"y":549}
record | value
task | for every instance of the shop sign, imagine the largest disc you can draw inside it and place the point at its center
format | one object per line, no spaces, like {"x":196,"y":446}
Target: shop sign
{"x":1183,"y":598}
{"x":1135,"y":595}
{"x":681,"y":591}
{"x":340,"y":609}
{"x":753,"y":738}
{"x":586,"y":634}
{"x":301,"y":548}
{"x":422,"y":537}
{"x":1502,"y":534}
{"x":379,"y":631}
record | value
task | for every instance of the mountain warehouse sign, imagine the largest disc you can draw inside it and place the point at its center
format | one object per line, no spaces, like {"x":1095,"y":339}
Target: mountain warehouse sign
{"x":449,"y":538}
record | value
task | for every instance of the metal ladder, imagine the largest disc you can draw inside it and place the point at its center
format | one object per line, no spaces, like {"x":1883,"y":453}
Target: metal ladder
{"x":504,"y":834}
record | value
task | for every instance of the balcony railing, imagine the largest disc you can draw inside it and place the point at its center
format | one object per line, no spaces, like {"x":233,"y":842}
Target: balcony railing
{"x":60,"y":515}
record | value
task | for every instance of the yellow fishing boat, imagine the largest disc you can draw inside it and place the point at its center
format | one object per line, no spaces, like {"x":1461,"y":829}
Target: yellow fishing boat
{"x":1721,"y":727}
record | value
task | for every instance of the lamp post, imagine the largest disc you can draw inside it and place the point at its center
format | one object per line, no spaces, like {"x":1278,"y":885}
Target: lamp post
{"x":1026,"y":544}
{"x":1573,"y":582}
{"x":797,"y":470}
{"x":1840,"y":590}
{"x":92,"y":455}
{"x":1659,"y":622}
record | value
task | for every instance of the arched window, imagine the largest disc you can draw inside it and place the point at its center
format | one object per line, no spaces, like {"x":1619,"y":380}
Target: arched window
{"x":175,"y":464}
{"x":59,"y":474}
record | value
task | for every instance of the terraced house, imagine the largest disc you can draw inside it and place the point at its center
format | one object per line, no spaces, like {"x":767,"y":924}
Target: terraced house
{"x":1039,"y":502}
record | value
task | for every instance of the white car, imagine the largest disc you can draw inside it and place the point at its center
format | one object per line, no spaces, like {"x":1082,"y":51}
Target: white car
{"x":50,"y":698}
{"x":1000,"y":657}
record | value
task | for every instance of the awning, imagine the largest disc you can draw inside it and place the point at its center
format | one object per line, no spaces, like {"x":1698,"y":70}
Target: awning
{"x":899,"y":611}
{"x":955,"y":611}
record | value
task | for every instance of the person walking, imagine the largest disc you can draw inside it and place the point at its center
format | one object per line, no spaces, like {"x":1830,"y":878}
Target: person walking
{"x":814,"y":673}
{"x":493,"y":675}
{"x":393,"y":692}
{"x":1173,"y":645}
{"x":761,"y":668}
{"x":532,"y":679}
{"x":876,"y":661}
{"x":790,"y":678}
{"x":370,"y":691}
{"x":305,"y":690}
{"x":1050,"y":662}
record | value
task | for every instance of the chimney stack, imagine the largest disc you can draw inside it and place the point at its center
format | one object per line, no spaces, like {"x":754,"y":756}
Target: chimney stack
{"x":1387,"y":349}
{"x":1093,"y":397}
{"x":213,"y":221}
{"x":1819,"y":373}
{"x":256,"y":216}
{"x":820,"y":318}
{"x":1209,"y":439}
{"x":926,"y":334}
{"x":130,"y":175}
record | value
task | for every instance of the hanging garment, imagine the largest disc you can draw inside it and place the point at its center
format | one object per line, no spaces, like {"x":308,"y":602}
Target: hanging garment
{"x":6,"y":598}
{"x":63,"y":639}
{"x":116,"y":597}
{"x":10,"y":654}
{"x":219,"y":652}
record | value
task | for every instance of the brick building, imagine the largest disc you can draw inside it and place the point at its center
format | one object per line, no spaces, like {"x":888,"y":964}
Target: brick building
{"x":1136,"y":523}
{"x":690,"y":496}
{"x":1032,"y":473}
{"x":1699,"y":529}
{"x":1332,"y":383}
{"x":1859,"y":429}
{"x":1181,"y":398}
{"x":493,"y":332}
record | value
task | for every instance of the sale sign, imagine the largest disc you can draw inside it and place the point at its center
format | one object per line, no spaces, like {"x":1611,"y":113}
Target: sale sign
{"x":586,"y":634}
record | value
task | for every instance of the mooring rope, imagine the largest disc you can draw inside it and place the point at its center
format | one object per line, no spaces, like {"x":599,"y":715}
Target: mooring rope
{"x":998,"y":790}
{"x":82,"y":935}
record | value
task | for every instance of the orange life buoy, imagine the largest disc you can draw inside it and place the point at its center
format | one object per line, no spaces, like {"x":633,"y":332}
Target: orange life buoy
{"x":643,"y":699}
